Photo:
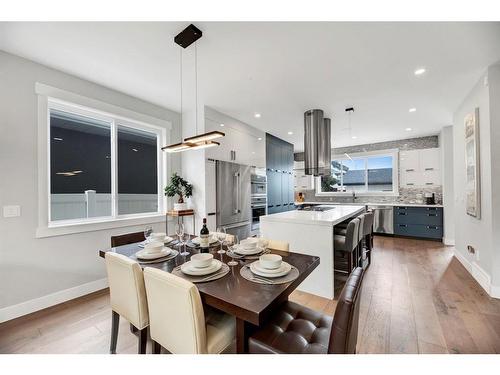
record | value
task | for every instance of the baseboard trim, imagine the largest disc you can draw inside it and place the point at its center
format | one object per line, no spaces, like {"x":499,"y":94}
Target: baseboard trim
{"x":448,"y":241}
{"x":480,"y":275}
{"x":28,"y":307}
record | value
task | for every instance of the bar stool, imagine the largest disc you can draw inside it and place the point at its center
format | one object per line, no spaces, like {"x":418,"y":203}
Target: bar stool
{"x":359,"y":248}
{"x":347,"y":245}
{"x":368,"y":234}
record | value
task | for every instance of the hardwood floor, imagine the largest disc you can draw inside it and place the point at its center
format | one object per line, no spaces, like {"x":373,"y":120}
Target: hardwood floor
{"x":416,"y":298}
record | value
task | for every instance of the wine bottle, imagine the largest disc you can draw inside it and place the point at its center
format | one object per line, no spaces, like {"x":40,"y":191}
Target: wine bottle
{"x":204,"y":237}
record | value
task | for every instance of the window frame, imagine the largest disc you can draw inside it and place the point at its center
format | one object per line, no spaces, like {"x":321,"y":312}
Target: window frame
{"x":54,"y":98}
{"x":394,"y":153}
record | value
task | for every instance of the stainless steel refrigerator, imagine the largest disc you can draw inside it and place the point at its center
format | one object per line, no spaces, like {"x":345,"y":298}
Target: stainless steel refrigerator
{"x":233,"y":198}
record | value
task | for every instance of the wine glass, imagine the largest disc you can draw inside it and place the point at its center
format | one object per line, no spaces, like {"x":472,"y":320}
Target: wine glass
{"x":221,"y":237}
{"x":148,"y":231}
{"x":184,"y":239}
{"x":179,"y":231}
{"x":233,"y":246}
{"x":263,"y":242}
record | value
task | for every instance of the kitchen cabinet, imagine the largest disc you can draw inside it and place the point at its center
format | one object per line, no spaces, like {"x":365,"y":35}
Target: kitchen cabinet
{"x":240,"y":145}
{"x":279,"y":170}
{"x":420,"y":168}
{"x":423,"y":222}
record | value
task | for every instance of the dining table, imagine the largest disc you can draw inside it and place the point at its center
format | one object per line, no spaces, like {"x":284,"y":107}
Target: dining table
{"x":251,"y":303}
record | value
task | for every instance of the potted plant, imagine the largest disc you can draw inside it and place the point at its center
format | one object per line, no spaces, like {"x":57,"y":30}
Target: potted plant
{"x":179,"y":186}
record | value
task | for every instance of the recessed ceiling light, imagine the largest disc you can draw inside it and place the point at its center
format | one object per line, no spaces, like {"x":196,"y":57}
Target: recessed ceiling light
{"x":354,"y":137}
{"x":222,"y":125}
{"x":259,"y":139}
{"x":290,"y":133}
{"x":408,"y":130}
{"x":257,"y":115}
{"x":412,"y":110}
{"x":419,"y":71}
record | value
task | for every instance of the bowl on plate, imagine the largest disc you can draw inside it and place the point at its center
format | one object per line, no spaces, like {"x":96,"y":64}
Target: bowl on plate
{"x":153,"y":247}
{"x":158,"y":236}
{"x":249,"y":243}
{"x":270,"y":261}
{"x":202,"y":260}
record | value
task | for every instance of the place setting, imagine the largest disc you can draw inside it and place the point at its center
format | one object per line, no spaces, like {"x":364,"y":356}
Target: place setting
{"x":269,"y":269}
{"x":247,"y":249}
{"x":151,"y":236}
{"x":155,"y":252}
{"x":201,"y":268}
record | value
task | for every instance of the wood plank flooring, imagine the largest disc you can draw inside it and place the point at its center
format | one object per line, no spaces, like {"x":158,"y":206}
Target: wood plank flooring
{"x":416,"y":298}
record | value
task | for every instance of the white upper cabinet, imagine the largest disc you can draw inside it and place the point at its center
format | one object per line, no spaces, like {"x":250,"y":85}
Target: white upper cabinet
{"x":420,"y":168}
{"x":240,"y":145}
{"x":408,"y":161}
{"x":430,"y":159}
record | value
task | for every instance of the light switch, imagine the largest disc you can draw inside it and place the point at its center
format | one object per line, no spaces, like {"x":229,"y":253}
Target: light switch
{"x":11,"y":211}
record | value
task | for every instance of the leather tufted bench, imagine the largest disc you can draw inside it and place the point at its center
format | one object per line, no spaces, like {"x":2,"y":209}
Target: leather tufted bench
{"x":296,"y":329}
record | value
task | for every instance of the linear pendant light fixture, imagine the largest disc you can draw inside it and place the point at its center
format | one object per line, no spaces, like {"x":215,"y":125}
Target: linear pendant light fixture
{"x":184,"y":39}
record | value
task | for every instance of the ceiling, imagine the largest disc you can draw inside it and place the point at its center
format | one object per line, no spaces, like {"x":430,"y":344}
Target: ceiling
{"x":282,"y":69}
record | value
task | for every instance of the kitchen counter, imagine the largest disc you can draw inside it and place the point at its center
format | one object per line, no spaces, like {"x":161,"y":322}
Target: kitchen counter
{"x":369,"y":204}
{"x":330,"y":218}
{"x":312,"y":233}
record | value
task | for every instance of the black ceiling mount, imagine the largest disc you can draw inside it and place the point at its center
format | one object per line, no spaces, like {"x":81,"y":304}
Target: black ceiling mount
{"x":349,"y":109}
{"x":188,"y":36}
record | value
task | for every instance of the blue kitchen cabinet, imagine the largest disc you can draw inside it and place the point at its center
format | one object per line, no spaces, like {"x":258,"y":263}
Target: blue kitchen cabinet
{"x":422,"y":222}
{"x":279,"y":165}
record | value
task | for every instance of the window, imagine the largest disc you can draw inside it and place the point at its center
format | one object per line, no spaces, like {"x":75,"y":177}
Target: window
{"x":102,"y":167}
{"x":367,"y":173}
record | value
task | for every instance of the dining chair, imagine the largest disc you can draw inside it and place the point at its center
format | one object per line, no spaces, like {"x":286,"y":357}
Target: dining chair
{"x":278,"y":245}
{"x":346,"y":246}
{"x":296,"y":329}
{"x":275,"y":245}
{"x":128,"y":297}
{"x":178,"y":321}
{"x":126,"y":239}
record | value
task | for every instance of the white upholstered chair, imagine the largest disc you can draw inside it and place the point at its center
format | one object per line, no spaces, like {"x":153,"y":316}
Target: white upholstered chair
{"x":128,"y":297}
{"x":277,"y":245}
{"x":177,"y":320}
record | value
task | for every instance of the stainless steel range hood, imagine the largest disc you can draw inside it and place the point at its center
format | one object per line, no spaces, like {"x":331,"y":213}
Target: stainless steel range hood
{"x":317,"y":145}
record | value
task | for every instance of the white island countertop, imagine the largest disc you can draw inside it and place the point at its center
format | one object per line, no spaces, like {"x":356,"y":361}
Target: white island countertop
{"x":331,"y":217}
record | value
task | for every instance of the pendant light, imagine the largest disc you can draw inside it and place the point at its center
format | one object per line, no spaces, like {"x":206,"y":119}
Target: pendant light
{"x":184,"y":39}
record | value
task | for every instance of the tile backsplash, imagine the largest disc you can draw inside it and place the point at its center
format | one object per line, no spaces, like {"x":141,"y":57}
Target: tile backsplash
{"x":406,"y":195}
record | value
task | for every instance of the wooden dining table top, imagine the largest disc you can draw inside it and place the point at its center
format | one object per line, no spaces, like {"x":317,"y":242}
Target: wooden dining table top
{"x":233,"y":294}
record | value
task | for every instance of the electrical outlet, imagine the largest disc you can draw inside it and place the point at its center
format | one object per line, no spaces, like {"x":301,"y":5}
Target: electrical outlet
{"x":11,"y":211}
{"x":473,"y":252}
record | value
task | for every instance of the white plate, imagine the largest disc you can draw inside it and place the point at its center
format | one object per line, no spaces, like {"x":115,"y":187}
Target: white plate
{"x":281,"y":271}
{"x":240,"y":250}
{"x":143,"y":254}
{"x":196,"y":240}
{"x":188,"y":268}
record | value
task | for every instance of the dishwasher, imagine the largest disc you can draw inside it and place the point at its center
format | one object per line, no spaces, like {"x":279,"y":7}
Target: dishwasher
{"x":383,"y":219}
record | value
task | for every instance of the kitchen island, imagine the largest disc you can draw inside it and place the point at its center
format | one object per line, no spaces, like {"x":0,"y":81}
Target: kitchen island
{"x":311,"y":232}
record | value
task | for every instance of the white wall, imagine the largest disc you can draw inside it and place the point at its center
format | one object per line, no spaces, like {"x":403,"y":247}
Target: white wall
{"x":446,"y":144}
{"x":32,"y":268}
{"x":481,"y":233}
{"x":494,"y":86}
